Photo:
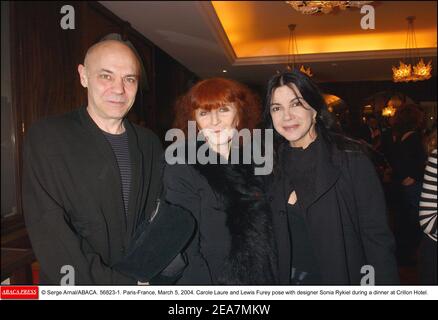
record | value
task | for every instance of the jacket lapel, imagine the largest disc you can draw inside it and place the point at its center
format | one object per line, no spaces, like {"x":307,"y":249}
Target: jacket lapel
{"x":327,"y":170}
{"x":139,"y":179}
{"x":108,"y":171}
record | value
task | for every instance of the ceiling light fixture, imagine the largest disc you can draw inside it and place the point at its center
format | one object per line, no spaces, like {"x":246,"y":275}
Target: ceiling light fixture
{"x":409,"y":71}
{"x":293,"y":52}
{"x":313,"y":7}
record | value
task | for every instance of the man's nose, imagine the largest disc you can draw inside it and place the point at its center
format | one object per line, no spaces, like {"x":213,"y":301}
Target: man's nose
{"x":118,"y":86}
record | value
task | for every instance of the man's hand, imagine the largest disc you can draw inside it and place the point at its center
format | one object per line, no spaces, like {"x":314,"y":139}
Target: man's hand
{"x":408,"y":181}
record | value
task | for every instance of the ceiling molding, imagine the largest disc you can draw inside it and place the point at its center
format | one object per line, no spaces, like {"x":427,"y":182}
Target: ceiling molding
{"x":191,"y":33}
{"x":211,"y":19}
{"x":335,"y":56}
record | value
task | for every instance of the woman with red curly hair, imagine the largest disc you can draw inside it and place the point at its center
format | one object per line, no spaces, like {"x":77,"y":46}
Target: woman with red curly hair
{"x":233,"y":242}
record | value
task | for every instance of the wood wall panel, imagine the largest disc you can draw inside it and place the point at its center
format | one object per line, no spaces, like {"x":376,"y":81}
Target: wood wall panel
{"x":45,"y":63}
{"x":97,"y":22}
{"x":145,"y":104}
{"x":172,"y":80}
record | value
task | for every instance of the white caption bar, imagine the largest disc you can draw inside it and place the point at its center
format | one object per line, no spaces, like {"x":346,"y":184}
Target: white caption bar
{"x":238,"y":293}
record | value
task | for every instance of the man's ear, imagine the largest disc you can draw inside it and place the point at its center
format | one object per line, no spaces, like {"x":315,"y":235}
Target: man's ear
{"x":82,"y":75}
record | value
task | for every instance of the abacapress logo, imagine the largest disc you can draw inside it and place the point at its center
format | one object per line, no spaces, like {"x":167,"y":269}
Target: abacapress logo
{"x":22,"y":292}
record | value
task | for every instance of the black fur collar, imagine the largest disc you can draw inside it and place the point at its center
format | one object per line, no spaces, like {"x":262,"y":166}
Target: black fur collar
{"x":252,"y":258}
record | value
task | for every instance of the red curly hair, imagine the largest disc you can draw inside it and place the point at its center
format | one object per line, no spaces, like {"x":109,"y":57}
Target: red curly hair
{"x":213,"y":93}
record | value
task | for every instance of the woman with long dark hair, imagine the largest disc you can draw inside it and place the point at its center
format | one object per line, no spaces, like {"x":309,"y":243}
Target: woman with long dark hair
{"x":327,"y":203}
{"x":233,"y":242}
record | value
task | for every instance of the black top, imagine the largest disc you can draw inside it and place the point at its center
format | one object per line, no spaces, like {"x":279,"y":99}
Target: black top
{"x":300,"y":169}
{"x":304,"y":264}
{"x":120,"y":146}
{"x":299,"y":166}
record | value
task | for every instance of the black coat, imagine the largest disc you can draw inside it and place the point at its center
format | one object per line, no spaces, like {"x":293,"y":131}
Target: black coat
{"x":72,"y":198}
{"x":408,"y":158}
{"x":233,"y":242}
{"x":346,"y":220}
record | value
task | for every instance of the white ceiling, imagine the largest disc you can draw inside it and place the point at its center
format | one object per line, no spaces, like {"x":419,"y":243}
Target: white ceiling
{"x":191,"y":33}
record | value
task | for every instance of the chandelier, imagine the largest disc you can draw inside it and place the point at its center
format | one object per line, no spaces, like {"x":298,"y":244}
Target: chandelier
{"x":406,"y":72}
{"x":293,"y":52}
{"x":312,"y":7}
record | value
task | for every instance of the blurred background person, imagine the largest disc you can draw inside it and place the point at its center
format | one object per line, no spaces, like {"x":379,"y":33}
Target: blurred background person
{"x":427,"y":257}
{"x":407,"y":158}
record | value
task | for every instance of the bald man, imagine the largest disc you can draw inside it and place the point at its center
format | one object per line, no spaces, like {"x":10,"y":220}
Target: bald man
{"x":90,"y":176}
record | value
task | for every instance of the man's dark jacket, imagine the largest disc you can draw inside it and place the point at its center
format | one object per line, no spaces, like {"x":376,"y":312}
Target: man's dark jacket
{"x":72,"y":196}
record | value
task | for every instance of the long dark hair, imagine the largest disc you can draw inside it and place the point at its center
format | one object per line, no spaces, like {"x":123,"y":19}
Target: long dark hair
{"x":312,"y":95}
